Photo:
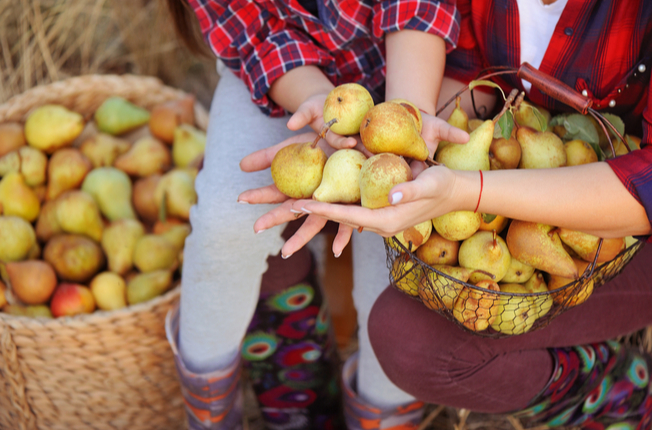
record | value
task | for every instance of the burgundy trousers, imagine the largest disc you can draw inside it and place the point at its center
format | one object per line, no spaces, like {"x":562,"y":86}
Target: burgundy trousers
{"x":438,"y":362}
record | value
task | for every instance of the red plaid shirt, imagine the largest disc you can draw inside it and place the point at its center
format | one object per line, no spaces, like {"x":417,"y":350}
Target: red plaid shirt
{"x":260,"y":40}
{"x":601,"y":46}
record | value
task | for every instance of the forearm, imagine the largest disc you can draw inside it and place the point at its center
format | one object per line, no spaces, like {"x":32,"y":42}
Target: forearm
{"x":295,"y":86}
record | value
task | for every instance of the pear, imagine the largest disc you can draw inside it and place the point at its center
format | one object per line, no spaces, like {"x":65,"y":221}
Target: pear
{"x":47,"y":224}
{"x":571,"y":295}
{"x":17,"y":238}
{"x":538,"y":287}
{"x":389,"y":127}
{"x":154,"y":252}
{"x":143,"y":198}
{"x":67,"y":169}
{"x":477,"y":309}
{"x":32,"y":311}
{"x":620,"y":148}
{"x":118,"y":243}
{"x":438,"y":250}
{"x":458,"y":118}
{"x":109,"y":291}
{"x":485,"y":251}
{"x":457,"y":225}
{"x":167,"y":116}
{"x":189,"y":143}
{"x":504,"y":153}
{"x":516,"y":314}
{"x":111,"y":189}
{"x":77,"y":212}
{"x":147,"y":156}
{"x":32,"y":281}
{"x":406,"y":275}
{"x":525,"y":116}
{"x":102,"y":149}
{"x":32,"y":163}
{"x":3,"y":294}
{"x":378,"y":176}
{"x":540,"y":149}
{"x":474,"y":154}
{"x":348,"y":104}
{"x":498,"y":223}
{"x":74,"y":257}
{"x":474,"y":123}
{"x":50,"y":127}
{"x":438,"y":289}
{"x":117,"y":115}
{"x":586,"y":245}
{"x":145,"y":286}
{"x":12,"y":137}
{"x":17,"y":198}
{"x":176,"y":234}
{"x":175,"y":193}
{"x":413,"y":237}
{"x":518,"y":272}
{"x":340,"y":181}
{"x":414,"y":111}
{"x":539,"y":246}
{"x":579,"y":152}
{"x":297,"y":169}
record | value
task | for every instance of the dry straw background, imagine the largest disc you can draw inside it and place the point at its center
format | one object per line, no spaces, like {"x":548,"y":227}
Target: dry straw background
{"x":42,"y":41}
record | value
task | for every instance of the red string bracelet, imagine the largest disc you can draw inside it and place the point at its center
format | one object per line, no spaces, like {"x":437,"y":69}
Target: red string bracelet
{"x":480,"y":196}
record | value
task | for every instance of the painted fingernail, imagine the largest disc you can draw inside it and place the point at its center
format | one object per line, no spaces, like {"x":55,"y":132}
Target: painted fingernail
{"x":338,"y":255}
{"x":294,"y":211}
{"x":242,"y":202}
{"x":285,"y":257}
{"x":260,"y":231}
{"x":306,"y":210}
{"x":397,"y":197}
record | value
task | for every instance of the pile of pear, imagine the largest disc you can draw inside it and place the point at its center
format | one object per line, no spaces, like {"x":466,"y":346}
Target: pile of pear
{"x":94,"y":210}
{"x":523,"y":268}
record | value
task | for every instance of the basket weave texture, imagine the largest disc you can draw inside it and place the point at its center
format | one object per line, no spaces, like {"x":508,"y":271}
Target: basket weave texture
{"x":105,"y":370}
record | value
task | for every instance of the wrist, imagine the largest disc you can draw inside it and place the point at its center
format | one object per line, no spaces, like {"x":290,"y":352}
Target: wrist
{"x":467,"y":190}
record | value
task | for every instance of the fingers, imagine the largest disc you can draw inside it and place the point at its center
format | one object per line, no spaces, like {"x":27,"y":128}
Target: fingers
{"x":262,"y":159}
{"x":277,"y":216}
{"x":342,"y":238}
{"x":311,"y":226}
{"x":451,"y":134}
{"x":268,"y":194}
{"x":340,"y":142}
{"x":304,"y":116}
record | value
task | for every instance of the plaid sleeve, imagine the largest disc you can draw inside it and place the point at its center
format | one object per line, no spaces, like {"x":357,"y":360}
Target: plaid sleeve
{"x":440,"y":18}
{"x":256,"y":45}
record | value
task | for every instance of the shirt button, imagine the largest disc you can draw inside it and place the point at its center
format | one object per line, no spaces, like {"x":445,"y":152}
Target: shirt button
{"x":568,"y":31}
{"x":612,"y":103}
{"x":585,"y":93}
{"x":642,"y":68}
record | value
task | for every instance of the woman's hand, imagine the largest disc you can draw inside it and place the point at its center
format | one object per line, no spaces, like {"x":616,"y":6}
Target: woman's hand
{"x":436,"y":129}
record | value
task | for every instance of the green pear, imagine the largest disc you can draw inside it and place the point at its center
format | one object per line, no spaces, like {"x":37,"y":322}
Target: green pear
{"x":438,"y":291}
{"x":154,"y":252}
{"x":457,"y":225}
{"x":12,"y":137}
{"x":77,"y":212}
{"x":67,"y":169}
{"x":516,"y":313}
{"x":74,"y":257}
{"x":32,"y":163}
{"x":175,"y":193}
{"x":540,"y":149}
{"x":146,"y":286}
{"x":586,"y":245}
{"x":389,"y":127}
{"x":102,"y":149}
{"x":188,"y":144}
{"x":118,"y":243}
{"x":458,"y":118}
{"x":111,"y":188}
{"x":340,"y":181}
{"x":485,"y":251}
{"x":147,"y":156}
{"x":472,"y":155}
{"x":17,"y":198}
{"x":117,"y":115}
{"x":413,"y":237}
{"x":539,"y":246}
{"x":348,"y":104}
{"x":379,"y":174}
{"x":518,"y":272}
{"x":297,"y":169}
{"x":51,"y":126}
{"x":17,"y":238}
{"x":438,"y":250}
{"x":525,"y":116}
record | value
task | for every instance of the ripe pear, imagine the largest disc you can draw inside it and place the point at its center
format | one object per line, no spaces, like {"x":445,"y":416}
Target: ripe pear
{"x":477,"y":309}
{"x":111,"y":189}
{"x":438,"y":250}
{"x":189,"y":143}
{"x":389,"y":127}
{"x":414,"y":111}
{"x":167,"y":116}
{"x":3,"y":294}
{"x":102,"y":149}
{"x":77,"y":212}
{"x":109,"y":291}
{"x":378,"y":176}
{"x":176,"y":235}
{"x":457,"y":225}
{"x":147,"y":156}
{"x":458,"y":118}
{"x":17,"y":238}
{"x":176,"y":194}
{"x":539,"y":246}
{"x":579,"y":152}
{"x":525,"y":116}
{"x":154,"y":252}
{"x":50,"y":127}
{"x":118,"y":243}
{"x":32,"y":311}
{"x":620,"y":148}
{"x":498,"y":223}
{"x":474,"y":154}
{"x":474,"y":123}
{"x":413,"y":237}
{"x":143,"y":198}
{"x":504,"y":153}
{"x":340,"y":181}
{"x":537,"y":285}
{"x":74,"y":257}
{"x":518,"y":272}
{"x":485,"y":251}
{"x":12,"y":137}
{"x":47,"y":224}
{"x":32,"y":163}
{"x":575,"y":294}
{"x":516,"y":314}
{"x":540,"y":149}
{"x":32,"y":281}
{"x":117,"y":115}
{"x":406,"y":275}
{"x":348,"y":104}
{"x":67,"y":169}
{"x":145,"y":286}
{"x":71,"y":299}
{"x":440,"y":287}
{"x":17,"y":198}
{"x":586,"y":245}
{"x":297,"y":169}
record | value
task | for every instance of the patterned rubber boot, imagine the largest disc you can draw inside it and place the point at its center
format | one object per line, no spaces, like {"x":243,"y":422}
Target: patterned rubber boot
{"x":363,"y":416}
{"x":603,"y":386}
{"x":213,"y":401}
{"x":291,"y":359}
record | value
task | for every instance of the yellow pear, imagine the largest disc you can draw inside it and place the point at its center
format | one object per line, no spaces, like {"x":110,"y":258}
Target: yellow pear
{"x":177,"y":234}
{"x":575,"y":294}
{"x":440,"y":287}
{"x":477,"y":309}
{"x":458,"y":118}
{"x":297,"y":169}
{"x":109,"y":291}
{"x":438,"y":250}
{"x":47,"y":224}
{"x":518,"y":272}
{"x":118,"y":243}
{"x":539,"y":246}
{"x":67,"y":169}
{"x":154,"y":252}
{"x":516,"y":313}
{"x":189,"y":142}
{"x":340,"y":181}
{"x":586,"y":245}
{"x":32,"y":163}
{"x":379,"y":174}
{"x":504,"y":153}
{"x":413,"y":237}
{"x":498,"y":223}
{"x":147,"y":156}
{"x":474,"y":123}
{"x":31,"y":281}
{"x":17,"y":238}
{"x":111,"y":188}
{"x":77,"y":212}
{"x":17,"y":198}
{"x":406,"y":275}
{"x":102,"y":149}
{"x":50,"y":127}
{"x":487,"y":252}
{"x":348,"y":104}
{"x":389,"y":127}
{"x":579,"y":152}
{"x":176,"y":194}
{"x":539,"y":288}
{"x":472,"y":155}
{"x":457,"y":225}
{"x":116,"y":116}
{"x":167,"y":116}
{"x":12,"y":137}
{"x":540,"y":149}
{"x":525,"y":116}
{"x":414,"y":111}
{"x":145,"y":286}
{"x":74,"y":257}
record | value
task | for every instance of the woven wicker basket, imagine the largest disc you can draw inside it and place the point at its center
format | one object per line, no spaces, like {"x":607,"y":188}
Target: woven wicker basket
{"x":106,"y":370}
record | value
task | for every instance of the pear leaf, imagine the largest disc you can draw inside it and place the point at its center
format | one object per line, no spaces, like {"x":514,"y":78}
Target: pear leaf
{"x":483,"y":83}
{"x":543,"y":123}
{"x":506,"y":123}
{"x":487,"y":218}
{"x":616,"y":122}
{"x":580,"y":127}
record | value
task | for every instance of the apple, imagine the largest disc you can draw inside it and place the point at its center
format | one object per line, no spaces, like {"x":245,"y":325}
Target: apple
{"x":72,"y":299}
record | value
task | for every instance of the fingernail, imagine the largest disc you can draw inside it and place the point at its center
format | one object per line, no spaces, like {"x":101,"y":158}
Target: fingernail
{"x":260,"y":231}
{"x":242,"y":202}
{"x":294,"y":211}
{"x":338,"y":255}
{"x":306,"y":210}
{"x":396,"y":197}
{"x":285,"y":257}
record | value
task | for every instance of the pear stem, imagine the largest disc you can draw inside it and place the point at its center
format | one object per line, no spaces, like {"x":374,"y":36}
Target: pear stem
{"x":323,"y":131}
{"x":508,"y":102}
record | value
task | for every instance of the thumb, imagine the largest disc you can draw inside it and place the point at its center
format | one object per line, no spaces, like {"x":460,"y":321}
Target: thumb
{"x":411,"y":191}
{"x":301,"y":118}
